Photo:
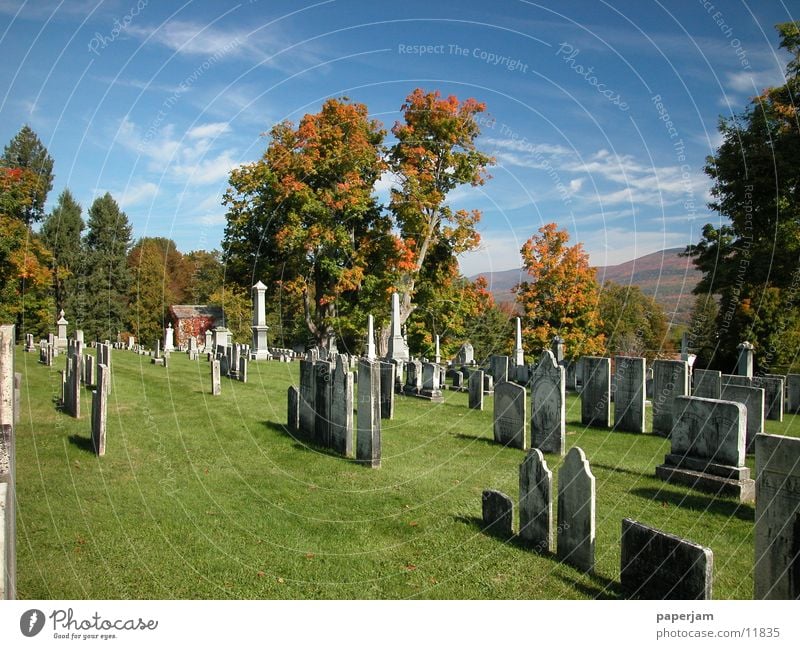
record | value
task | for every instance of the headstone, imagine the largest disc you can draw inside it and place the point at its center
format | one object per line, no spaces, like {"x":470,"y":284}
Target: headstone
{"x":744,"y":366}
{"x":293,"y":408}
{"x":387,"y":390}
{"x":557,"y":347}
{"x":74,"y":385}
{"x":235,"y":353}
{"x":535,"y":502}
{"x":777,"y":533}
{"x":169,"y":338}
{"x":437,"y":356}
{"x":341,"y":409}
{"x":243,"y":368}
{"x":413,"y":378}
{"x":370,"y":353}
{"x":209,"y":344}
{"x":17,"y":396}
{"x":398,"y":349}
{"x":476,"y":390}
{"x":498,"y":513}
{"x":793,"y":393}
{"x":498,"y":368}
{"x":307,"y":397}
{"x":519,"y":353}
{"x":657,"y":565}
{"x":29,"y":346}
{"x":431,"y":373}
{"x":753,"y":400}
{"x":509,"y":415}
{"x":368,"y":415}
{"x":596,"y":392}
{"x":670,"y":380}
{"x":773,"y":395}
{"x":548,"y":405}
{"x":488,"y":383}
{"x":100,"y":409}
{"x":323,"y":396}
{"x":629,"y":396}
{"x":465,"y":355}
{"x":735,"y":379}
{"x":576,"y":511}
{"x":706,"y":384}
{"x":61,"y":328}
{"x":259,"y":328}
{"x":216,"y":380}
{"x":708,"y":448}
{"x":458,"y":382}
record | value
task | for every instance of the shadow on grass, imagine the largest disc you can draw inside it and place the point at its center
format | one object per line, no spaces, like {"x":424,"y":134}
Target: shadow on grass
{"x":83,"y":443}
{"x":304,"y":444}
{"x":477,"y":438}
{"x":616,"y":469}
{"x":698,"y":502}
{"x":598,"y":588}
{"x":476,"y":523}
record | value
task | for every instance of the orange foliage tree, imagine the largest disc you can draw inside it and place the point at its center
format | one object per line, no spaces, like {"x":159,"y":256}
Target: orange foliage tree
{"x":562,"y":296}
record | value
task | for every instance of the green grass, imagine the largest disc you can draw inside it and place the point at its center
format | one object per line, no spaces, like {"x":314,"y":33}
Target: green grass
{"x":209,"y":497}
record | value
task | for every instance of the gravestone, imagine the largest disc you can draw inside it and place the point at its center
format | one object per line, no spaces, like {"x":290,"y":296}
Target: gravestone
{"x":307,"y":396}
{"x":259,"y":327}
{"x":458,"y":382}
{"x":209,"y":342}
{"x":498,"y":513}
{"x":323,"y":397}
{"x":476,"y":390}
{"x":657,"y":565}
{"x":370,"y":351}
{"x":75,"y":386}
{"x":773,"y":395}
{"x":744,"y":366}
{"x":100,"y":410}
{"x":431,"y":373}
{"x":557,"y":347}
{"x":753,"y":400}
{"x":169,"y":338}
{"x":465,"y":355}
{"x":341,"y":409}
{"x":509,"y":415}
{"x":548,"y":410}
{"x":398,"y":349}
{"x":368,"y":414}
{"x":629,"y":395}
{"x":293,"y":408}
{"x":387,"y":390}
{"x":498,"y":368}
{"x":777,"y":533}
{"x":706,"y":384}
{"x":536,"y":502}
{"x":793,"y":393}
{"x":488,"y":383}
{"x":413,"y":378}
{"x":708,"y":448}
{"x":596,"y":392}
{"x":576,"y":511}
{"x":518,"y":354}
{"x":670,"y":380}
{"x":735,"y":379}
{"x":216,"y":381}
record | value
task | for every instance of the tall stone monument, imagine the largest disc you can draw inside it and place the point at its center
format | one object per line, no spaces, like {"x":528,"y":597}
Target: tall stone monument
{"x":61,"y":331}
{"x":169,"y":338}
{"x":398,"y":349}
{"x":745,"y":364}
{"x":518,"y":356}
{"x":370,"y":354}
{"x":259,"y":350}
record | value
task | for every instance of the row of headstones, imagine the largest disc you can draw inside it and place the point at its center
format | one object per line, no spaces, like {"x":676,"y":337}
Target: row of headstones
{"x":321,"y":409}
{"x":233,"y":360}
{"x":654,"y":564}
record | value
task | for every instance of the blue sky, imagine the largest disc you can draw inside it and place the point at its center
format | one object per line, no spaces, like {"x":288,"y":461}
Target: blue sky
{"x":600,"y":114}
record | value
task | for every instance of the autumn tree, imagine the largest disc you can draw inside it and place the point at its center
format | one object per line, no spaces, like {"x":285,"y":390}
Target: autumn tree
{"x":61,"y":233}
{"x":561,"y":298}
{"x":107,"y":277}
{"x":25,"y":151}
{"x":435,"y":153}
{"x":304,"y":220}
{"x":752,"y":261}
{"x":633,"y":323}
{"x":237,"y":309}
{"x":205,"y":275}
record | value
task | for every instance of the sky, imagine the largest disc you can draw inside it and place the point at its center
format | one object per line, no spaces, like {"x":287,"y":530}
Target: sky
{"x":600,"y":115}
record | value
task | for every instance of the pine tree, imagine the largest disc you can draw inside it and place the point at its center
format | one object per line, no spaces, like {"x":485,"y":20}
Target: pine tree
{"x":25,"y":151}
{"x":106,"y":276}
{"x":61,"y":233}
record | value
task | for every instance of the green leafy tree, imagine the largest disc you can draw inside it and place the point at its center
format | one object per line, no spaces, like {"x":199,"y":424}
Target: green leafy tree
{"x":107,"y":277}
{"x":237,"y":307}
{"x":206,"y":275}
{"x":702,"y":333}
{"x":633,"y":323}
{"x":25,"y":151}
{"x":752,"y":261}
{"x":61,"y":233}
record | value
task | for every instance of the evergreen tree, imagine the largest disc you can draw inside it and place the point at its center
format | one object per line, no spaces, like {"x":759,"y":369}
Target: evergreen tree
{"x":107,"y":278}
{"x":25,"y":151}
{"x":61,"y":233}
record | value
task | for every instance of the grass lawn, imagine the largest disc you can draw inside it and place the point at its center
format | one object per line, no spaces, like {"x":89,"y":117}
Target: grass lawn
{"x":209,"y":497}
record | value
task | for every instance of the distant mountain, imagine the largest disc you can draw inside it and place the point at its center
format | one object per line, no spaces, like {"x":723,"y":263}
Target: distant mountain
{"x":663,"y":275}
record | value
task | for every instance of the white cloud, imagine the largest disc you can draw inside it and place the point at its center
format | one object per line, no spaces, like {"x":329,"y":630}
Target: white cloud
{"x":753,"y":83}
{"x":134,"y":194}
{"x":211,"y":130}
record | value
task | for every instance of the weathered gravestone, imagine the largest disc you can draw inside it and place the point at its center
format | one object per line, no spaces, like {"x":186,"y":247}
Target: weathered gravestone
{"x":307,"y":395}
{"x":341,"y":409}
{"x":753,"y":400}
{"x":498,"y":513}
{"x":793,"y":393}
{"x":777,"y":534}
{"x":368,"y":414}
{"x":431,"y":387}
{"x":773,"y":395}
{"x":75,"y":385}
{"x":293,"y":408}
{"x":535,"y":502}
{"x":657,"y":565}
{"x":413,"y":378}
{"x":548,"y":410}
{"x":100,"y":409}
{"x":216,"y":381}
{"x":488,"y":383}
{"x":465,"y":355}
{"x":596,"y":392}
{"x":243,"y":368}
{"x":670,"y":380}
{"x":498,"y":368}
{"x":706,"y":384}
{"x":576,"y":511}
{"x":735,"y":379}
{"x":458,"y":381}
{"x":629,"y":395}
{"x":323,"y":396}
{"x":387,"y":390}
{"x":476,"y":390}
{"x":708,"y":448}
{"x":509,"y":415}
